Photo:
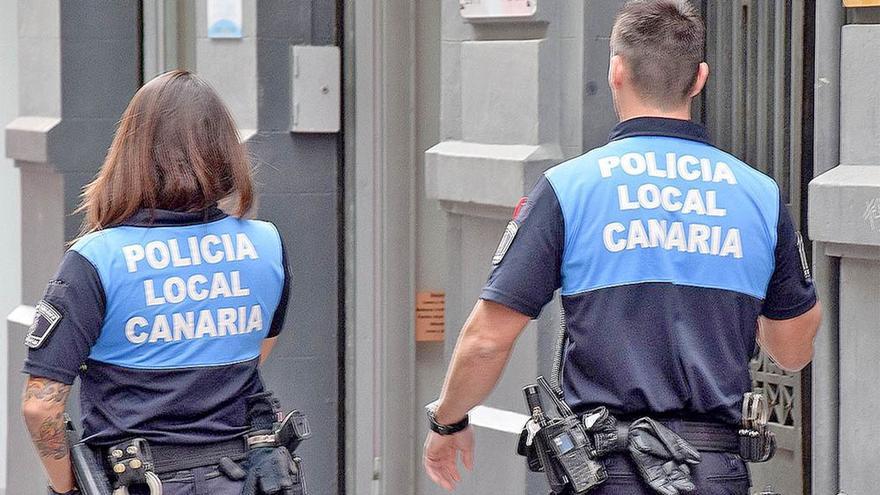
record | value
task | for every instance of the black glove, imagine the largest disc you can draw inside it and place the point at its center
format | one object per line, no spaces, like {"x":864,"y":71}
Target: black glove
{"x":270,"y":469}
{"x":269,"y":473}
{"x":607,"y":437}
{"x":662,"y":457}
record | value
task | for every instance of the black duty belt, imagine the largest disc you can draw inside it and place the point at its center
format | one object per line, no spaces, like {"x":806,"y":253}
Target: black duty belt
{"x":173,"y":458}
{"x":706,"y":437}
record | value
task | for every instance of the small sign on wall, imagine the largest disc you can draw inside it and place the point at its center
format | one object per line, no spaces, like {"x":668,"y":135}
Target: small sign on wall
{"x":498,"y":9}
{"x":861,"y":3}
{"x":224,"y":18}
{"x":430,"y":316}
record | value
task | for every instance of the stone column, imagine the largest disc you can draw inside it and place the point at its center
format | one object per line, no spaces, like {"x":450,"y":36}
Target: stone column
{"x":78,"y":69}
{"x":844,"y":215}
{"x":510,"y":108}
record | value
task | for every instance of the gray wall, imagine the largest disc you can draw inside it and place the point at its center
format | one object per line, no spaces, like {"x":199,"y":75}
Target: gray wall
{"x":10,"y":248}
{"x":297,"y":174}
{"x":297,"y":184}
{"x":76,"y":74}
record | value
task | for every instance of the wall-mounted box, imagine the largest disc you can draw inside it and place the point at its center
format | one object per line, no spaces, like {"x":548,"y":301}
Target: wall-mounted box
{"x":316,"y":88}
{"x":498,"y":10}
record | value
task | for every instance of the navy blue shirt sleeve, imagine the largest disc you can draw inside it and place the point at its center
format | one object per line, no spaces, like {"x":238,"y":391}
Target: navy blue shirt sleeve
{"x":77,"y":295}
{"x":791,"y":292}
{"x":281,"y":311}
{"x":526,"y":275}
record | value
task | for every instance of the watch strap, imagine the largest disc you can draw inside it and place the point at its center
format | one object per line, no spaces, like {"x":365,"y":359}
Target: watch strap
{"x":444,"y":430}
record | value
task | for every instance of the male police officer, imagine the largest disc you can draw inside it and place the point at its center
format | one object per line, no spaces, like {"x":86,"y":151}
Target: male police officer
{"x":672,"y":257}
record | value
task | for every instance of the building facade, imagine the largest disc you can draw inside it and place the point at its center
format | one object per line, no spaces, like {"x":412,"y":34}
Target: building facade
{"x":391,"y":160}
{"x":10,"y":295}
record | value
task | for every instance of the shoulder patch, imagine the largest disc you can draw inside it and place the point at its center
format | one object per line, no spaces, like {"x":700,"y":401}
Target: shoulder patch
{"x":506,"y":241}
{"x":46,"y":319}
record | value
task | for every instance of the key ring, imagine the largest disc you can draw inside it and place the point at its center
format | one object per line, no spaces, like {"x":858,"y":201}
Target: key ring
{"x":153,"y":482}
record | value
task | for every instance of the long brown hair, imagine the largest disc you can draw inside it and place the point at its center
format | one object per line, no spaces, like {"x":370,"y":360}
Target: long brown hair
{"x":176,"y":148}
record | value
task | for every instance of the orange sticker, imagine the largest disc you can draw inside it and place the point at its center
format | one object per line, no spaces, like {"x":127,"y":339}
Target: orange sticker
{"x":861,"y":3}
{"x":430,"y":316}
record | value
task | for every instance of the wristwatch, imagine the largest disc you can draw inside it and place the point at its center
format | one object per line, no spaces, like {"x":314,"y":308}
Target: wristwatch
{"x":441,"y":429}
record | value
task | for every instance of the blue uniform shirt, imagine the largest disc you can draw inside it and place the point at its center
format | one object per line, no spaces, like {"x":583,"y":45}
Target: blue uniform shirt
{"x":163,"y":319}
{"x":666,"y":250}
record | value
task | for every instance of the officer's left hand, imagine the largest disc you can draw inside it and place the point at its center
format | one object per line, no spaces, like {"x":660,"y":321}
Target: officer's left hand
{"x":441,"y":456}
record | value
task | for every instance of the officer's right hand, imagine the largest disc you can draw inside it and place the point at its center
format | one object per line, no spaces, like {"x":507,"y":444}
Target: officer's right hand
{"x":269,"y":472}
{"x":441,"y":456}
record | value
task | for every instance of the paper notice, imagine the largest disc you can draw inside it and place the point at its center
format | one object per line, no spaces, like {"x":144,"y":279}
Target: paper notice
{"x":430,"y":316}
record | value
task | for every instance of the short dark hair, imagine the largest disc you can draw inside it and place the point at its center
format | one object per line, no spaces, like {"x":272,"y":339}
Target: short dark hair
{"x":663,"y":43}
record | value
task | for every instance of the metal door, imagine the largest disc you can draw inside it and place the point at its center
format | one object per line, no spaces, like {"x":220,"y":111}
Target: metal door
{"x":760,"y":55}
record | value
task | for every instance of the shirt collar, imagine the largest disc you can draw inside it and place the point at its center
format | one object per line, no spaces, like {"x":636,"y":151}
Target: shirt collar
{"x":167,"y":218}
{"x":660,"y":126}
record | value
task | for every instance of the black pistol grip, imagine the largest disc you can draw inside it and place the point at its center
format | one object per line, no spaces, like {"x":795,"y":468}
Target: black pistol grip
{"x":91,"y":479}
{"x":90,"y":476}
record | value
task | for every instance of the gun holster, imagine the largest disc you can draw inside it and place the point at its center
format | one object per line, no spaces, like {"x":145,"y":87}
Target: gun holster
{"x":271,"y":429}
{"x":91,"y":479}
{"x":289,"y":433}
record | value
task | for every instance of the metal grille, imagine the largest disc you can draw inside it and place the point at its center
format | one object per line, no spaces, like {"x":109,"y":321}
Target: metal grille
{"x":753,"y":107}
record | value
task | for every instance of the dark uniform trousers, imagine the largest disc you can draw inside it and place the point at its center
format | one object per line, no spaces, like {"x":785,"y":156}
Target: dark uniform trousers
{"x":719,"y":473}
{"x":198,"y":481}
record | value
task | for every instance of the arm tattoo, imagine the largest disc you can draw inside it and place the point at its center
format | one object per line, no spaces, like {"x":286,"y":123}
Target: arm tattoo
{"x":48,"y":432}
{"x":46,"y":390}
{"x":50,"y":438}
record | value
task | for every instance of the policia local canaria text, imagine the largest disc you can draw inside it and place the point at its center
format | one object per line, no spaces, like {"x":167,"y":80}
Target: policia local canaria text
{"x":193,"y":251}
{"x":654,"y":233}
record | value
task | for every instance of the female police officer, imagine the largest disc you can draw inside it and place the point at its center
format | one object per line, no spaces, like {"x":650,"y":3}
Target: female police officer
{"x":166,"y":305}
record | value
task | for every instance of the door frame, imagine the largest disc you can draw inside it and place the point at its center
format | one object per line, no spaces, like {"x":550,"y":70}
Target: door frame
{"x":379,"y":82}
